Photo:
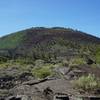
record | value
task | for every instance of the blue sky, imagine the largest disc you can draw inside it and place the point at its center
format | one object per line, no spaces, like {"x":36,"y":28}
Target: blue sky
{"x":83,"y":15}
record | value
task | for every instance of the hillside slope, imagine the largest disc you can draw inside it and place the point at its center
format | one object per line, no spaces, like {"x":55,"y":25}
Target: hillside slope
{"x":40,"y":42}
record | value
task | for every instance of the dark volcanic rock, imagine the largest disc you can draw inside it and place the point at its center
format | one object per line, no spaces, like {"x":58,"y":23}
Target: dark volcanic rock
{"x":11,"y":76}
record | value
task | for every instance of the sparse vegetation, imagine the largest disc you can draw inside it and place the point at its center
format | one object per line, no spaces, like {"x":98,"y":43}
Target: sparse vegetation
{"x":76,"y":61}
{"x":87,"y":83}
{"x":97,"y":55}
{"x":11,"y":41}
{"x":65,"y":63}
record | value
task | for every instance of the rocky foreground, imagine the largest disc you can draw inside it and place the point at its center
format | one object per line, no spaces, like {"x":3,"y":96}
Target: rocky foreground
{"x":17,"y":84}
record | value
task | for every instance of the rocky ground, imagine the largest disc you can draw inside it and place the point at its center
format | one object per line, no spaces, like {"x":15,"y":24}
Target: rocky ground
{"x":16,"y":84}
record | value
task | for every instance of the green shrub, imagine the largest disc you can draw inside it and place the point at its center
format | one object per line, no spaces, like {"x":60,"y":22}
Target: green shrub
{"x":23,"y":61}
{"x":65,"y":63}
{"x":4,"y":65}
{"x":97,"y":56}
{"x":41,"y":72}
{"x":87,"y":83}
{"x":39,"y":63}
{"x":77,"y":61}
